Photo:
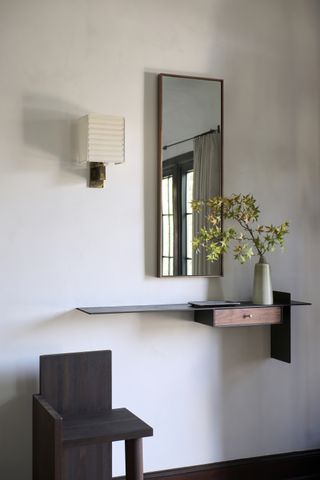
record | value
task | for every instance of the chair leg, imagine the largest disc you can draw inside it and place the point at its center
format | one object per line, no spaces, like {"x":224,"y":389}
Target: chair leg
{"x":134,"y":459}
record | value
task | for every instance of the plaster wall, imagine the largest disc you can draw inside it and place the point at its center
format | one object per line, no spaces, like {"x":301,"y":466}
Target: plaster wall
{"x":210,"y":394}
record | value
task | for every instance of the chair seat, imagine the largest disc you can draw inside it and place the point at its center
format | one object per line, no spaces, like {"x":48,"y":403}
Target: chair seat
{"x":110,"y":426}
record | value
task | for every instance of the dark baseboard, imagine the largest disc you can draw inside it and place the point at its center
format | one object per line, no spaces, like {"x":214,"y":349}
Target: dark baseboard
{"x":295,"y":466}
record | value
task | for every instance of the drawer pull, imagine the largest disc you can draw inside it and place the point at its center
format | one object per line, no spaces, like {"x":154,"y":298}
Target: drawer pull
{"x":249,"y":315}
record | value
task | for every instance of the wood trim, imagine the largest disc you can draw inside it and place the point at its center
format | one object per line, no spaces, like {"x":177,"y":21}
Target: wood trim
{"x":159,"y":177}
{"x":304,"y":464}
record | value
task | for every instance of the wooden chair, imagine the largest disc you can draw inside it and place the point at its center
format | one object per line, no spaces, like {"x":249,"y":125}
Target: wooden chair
{"x":74,"y":423}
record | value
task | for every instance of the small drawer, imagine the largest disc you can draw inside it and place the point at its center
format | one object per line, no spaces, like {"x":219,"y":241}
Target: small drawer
{"x":247,"y":316}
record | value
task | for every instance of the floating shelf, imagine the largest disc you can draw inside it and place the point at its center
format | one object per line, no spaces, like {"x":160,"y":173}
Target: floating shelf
{"x":176,"y":307}
{"x":278,"y":315}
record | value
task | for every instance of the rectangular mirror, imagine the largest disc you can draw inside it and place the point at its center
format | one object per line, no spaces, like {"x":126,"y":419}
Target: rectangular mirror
{"x":190,"y":166}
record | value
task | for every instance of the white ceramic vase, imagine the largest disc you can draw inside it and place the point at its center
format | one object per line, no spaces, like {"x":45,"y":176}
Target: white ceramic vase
{"x":262,"y":288}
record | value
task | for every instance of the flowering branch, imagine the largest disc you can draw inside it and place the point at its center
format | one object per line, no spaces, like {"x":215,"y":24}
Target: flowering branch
{"x":252,"y":239}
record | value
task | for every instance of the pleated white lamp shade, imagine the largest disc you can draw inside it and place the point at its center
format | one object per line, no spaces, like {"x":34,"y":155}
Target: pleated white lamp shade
{"x":101,"y":138}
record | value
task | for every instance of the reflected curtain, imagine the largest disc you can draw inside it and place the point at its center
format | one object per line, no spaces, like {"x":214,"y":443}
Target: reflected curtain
{"x":206,"y":184}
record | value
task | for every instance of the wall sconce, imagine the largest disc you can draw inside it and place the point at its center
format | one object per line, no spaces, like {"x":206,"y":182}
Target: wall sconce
{"x":100,"y":142}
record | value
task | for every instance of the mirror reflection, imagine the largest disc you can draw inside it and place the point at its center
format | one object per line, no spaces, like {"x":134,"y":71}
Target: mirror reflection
{"x":190,"y":155}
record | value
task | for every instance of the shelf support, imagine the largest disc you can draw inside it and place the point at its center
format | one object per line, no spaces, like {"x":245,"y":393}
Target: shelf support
{"x":281,"y":334}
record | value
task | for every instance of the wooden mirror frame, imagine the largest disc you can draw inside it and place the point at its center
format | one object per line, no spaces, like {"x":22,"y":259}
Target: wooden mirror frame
{"x":160,"y":168}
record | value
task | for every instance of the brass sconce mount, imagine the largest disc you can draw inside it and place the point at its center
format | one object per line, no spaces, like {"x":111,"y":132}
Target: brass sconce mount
{"x":97,"y":174}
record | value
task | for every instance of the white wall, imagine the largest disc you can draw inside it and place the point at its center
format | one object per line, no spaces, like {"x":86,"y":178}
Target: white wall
{"x":210,"y":394}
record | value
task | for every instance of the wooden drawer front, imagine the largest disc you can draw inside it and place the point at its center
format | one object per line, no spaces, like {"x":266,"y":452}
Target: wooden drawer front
{"x":246,"y":316}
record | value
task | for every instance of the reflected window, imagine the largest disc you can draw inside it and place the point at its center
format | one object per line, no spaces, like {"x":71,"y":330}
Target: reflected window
{"x":189,"y":223}
{"x":177,"y":228}
{"x":167,"y":225}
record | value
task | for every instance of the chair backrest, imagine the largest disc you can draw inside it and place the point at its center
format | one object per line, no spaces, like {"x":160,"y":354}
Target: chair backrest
{"x":75,"y":383}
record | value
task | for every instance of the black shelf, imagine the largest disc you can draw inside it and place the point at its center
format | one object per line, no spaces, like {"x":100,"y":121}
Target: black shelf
{"x":279,"y":317}
{"x":177,"y":307}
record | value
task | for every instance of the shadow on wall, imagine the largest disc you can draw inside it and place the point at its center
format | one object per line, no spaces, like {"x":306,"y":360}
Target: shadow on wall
{"x":216,"y":369}
{"x":231,"y":360}
{"x":15,"y":432}
{"x":22,"y":383}
{"x":50,"y":334}
{"x":215,"y":289}
{"x":49,"y":136}
{"x":244,"y":358}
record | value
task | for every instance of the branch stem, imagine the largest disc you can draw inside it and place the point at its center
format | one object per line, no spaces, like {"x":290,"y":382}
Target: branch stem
{"x":249,"y":230}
